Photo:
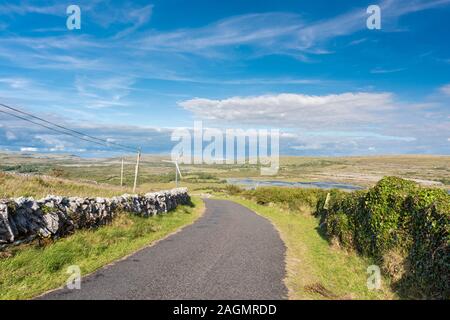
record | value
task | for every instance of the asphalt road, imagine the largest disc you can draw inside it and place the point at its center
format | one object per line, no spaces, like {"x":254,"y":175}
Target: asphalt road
{"x":229,"y":253}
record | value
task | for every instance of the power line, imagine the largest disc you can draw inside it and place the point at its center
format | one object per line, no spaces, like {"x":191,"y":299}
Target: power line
{"x":50,"y":128}
{"x":53,"y":129}
{"x":71,"y":130}
{"x":79,"y":135}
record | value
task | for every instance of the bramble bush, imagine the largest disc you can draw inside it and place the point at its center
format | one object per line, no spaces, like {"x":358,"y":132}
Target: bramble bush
{"x":293,"y":198}
{"x":396,"y":215}
{"x":401,"y":225}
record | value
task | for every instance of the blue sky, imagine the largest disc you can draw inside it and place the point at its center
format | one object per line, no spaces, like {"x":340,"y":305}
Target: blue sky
{"x":138,"y":69}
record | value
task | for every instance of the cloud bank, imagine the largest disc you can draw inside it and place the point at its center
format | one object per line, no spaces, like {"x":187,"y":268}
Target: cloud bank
{"x":293,"y":110}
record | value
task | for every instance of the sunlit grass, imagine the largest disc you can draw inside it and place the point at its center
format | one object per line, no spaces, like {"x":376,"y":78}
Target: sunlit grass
{"x":154,"y":174}
{"x":38,"y":187}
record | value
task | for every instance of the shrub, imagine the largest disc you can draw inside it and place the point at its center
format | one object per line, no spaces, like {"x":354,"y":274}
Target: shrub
{"x":429,"y":255}
{"x":396,"y":215}
{"x":338,"y":225}
{"x":22,"y":168}
{"x":293,"y":198}
{"x":205,"y":176}
{"x":58,"y":172}
{"x":384,"y":204}
{"x":394,"y":264}
{"x":233,"y":189}
{"x":162,"y":178}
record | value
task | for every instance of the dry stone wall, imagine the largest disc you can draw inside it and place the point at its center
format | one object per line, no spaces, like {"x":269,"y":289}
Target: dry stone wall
{"x":24,"y":219}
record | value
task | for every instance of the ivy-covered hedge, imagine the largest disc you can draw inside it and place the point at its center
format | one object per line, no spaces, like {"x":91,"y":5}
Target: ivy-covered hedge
{"x":396,"y":215}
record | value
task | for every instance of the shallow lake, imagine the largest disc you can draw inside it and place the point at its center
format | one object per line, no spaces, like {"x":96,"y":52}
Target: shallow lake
{"x":250,"y":183}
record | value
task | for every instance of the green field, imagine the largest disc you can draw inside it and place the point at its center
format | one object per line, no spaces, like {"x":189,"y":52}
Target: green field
{"x":155,"y":174}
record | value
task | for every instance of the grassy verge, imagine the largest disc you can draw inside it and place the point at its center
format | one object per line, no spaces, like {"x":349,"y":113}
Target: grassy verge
{"x":12,"y":186}
{"x":316,"y":270}
{"x":32,"y":270}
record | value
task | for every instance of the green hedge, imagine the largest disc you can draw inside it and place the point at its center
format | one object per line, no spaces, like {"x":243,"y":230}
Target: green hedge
{"x":293,"y":198}
{"x":399,"y":215}
{"x":395,"y":218}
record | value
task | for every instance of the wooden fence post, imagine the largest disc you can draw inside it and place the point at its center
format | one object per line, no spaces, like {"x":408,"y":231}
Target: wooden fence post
{"x":136,"y":170}
{"x":176,"y":176}
{"x":121,"y":174}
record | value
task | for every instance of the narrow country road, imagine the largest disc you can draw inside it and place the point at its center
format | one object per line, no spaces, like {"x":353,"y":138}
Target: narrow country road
{"x":229,"y":253}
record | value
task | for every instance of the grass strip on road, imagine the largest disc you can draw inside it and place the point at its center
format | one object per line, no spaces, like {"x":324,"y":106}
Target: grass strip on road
{"x":316,"y":270}
{"x":32,"y":269}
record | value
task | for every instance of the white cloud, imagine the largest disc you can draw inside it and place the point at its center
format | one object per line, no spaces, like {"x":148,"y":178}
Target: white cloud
{"x":10,"y":135}
{"x":274,"y":32}
{"x":28,"y":149}
{"x":156,"y":53}
{"x":103,"y":93}
{"x":25,"y":8}
{"x":38,"y":93}
{"x":308,"y":147}
{"x":335,"y":110}
{"x":445,"y":89}
{"x":320,"y":141}
{"x":398,"y":8}
{"x":15,"y":83}
{"x":56,"y":143}
{"x":261,"y":30}
{"x":382,"y":70}
{"x":138,"y":17}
